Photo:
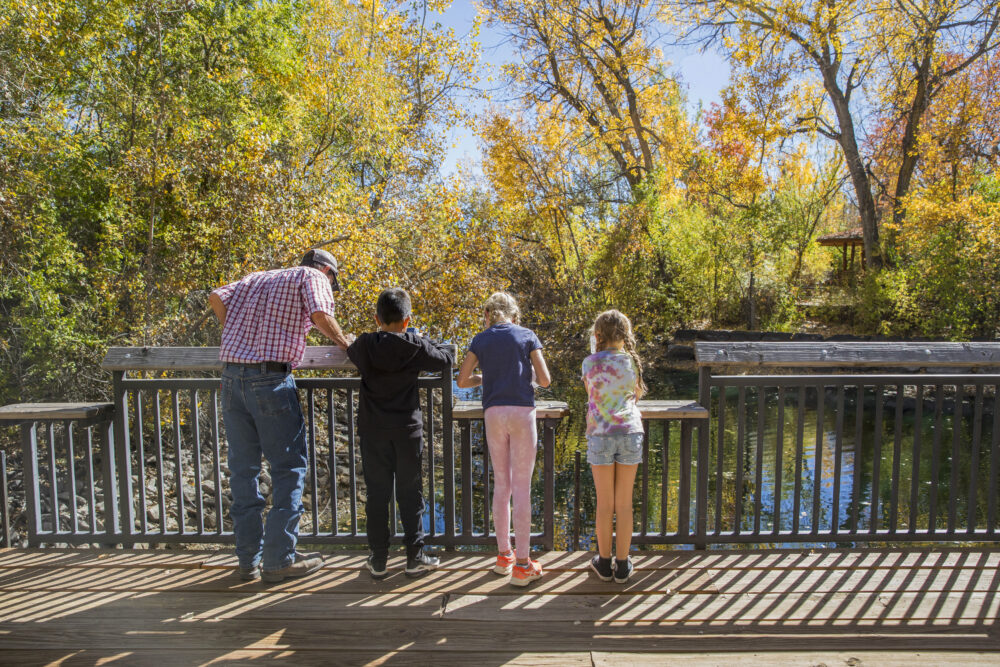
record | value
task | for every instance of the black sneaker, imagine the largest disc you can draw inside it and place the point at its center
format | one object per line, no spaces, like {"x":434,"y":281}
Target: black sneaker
{"x":421,"y":563}
{"x":602,"y":568}
{"x":623,"y":570}
{"x":376,"y":565}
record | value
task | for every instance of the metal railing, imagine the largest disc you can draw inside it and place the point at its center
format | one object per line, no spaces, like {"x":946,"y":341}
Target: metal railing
{"x":874,"y":443}
{"x":839,"y":455}
{"x":173,"y":451}
{"x":68,"y":472}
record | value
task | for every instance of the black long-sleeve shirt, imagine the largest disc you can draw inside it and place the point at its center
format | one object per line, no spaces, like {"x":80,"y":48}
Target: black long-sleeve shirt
{"x":389,"y":365}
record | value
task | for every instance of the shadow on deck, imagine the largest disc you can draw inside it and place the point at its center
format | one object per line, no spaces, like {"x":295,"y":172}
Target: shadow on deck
{"x":854,"y":607}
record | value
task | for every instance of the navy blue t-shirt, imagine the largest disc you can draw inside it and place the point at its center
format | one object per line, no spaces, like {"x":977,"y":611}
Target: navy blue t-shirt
{"x":504,"y":354}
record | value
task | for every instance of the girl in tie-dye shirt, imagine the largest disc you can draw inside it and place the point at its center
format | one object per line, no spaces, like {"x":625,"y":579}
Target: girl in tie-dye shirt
{"x":613,"y":377}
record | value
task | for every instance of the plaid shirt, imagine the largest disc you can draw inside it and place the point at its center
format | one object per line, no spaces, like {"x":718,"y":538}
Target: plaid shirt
{"x":269,"y":313}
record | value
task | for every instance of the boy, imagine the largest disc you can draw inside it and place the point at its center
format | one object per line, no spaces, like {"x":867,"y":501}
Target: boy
{"x":391,"y":427}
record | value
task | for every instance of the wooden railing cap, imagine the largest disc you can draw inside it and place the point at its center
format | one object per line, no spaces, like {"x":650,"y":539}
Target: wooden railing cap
{"x":543,"y":410}
{"x":794,"y":354}
{"x":317,"y":357}
{"x":683,"y":409}
{"x":53,"y":411}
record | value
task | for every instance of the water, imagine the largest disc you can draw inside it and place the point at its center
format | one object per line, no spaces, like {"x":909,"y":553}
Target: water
{"x":845,"y":485}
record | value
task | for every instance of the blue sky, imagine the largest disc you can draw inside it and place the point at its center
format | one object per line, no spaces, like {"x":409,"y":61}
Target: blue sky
{"x":702,"y":74}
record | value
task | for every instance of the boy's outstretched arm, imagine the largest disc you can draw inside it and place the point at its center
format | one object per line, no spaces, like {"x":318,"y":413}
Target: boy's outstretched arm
{"x":435,"y":357}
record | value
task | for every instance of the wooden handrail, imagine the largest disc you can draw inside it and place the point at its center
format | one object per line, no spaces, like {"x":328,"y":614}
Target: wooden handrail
{"x":317,"y":357}
{"x":794,"y":354}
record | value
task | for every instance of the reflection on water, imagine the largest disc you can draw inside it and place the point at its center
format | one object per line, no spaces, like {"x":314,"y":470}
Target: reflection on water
{"x":767,"y":475}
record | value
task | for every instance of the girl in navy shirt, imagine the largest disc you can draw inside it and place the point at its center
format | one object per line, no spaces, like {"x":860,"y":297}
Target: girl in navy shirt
{"x":508,"y":356}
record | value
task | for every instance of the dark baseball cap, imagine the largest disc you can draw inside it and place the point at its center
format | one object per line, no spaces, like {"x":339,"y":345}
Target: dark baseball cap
{"x":320,"y":256}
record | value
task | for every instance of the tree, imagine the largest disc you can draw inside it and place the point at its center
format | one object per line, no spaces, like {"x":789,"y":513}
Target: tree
{"x":594,"y":62}
{"x":880,"y":51}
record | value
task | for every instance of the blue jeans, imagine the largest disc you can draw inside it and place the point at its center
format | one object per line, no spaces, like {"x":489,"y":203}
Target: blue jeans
{"x":262,"y":416}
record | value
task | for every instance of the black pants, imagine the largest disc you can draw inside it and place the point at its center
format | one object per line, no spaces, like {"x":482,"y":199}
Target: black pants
{"x":388,"y":454}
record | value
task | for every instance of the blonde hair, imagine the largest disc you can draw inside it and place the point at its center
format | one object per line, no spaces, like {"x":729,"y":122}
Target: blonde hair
{"x":501,"y":307}
{"x":612,"y":326}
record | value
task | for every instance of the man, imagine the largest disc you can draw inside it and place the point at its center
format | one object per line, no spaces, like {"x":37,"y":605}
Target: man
{"x":265,"y":318}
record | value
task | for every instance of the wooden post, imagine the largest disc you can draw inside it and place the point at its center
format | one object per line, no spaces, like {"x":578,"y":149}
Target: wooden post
{"x":29,"y":458}
{"x":701,"y":486}
{"x":549,"y":481}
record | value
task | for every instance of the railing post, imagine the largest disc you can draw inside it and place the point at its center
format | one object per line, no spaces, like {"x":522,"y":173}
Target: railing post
{"x":29,"y":458}
{"x":112,"y":525}
{"x":684,"y":483}
{"x":575,"y":545}
{"x":549,"y":481}
{"x":4,"y":518}
{"x":120,"y":465}
{"x":701,"y":486}
{"x":448,"y":453}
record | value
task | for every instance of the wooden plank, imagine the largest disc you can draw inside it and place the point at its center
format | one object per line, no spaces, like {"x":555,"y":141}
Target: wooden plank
{"x":888,"y":580}
{"x":184,"y":657}
{"x":794,"y":354}
{"x":55,"y":411}
{"x":771,"y":560}
{"x":336,"y":636}
{"x":779,"y":610}
{"x":345,"y":581}
{"x":902,"y":658}
{"x":762,"y":559}
{"x":159,"y":558}
{"x":207,"y":359}
{"x":316,"y":357}
{"x":672,"y":410}
{"x":543,"y":410}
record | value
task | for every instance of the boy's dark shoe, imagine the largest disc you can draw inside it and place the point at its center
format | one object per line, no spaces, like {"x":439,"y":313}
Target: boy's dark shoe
{"x":602,"y":568}
{"x":250,"y":572}
{"x":302,"y":565}
{"x":377,"y":566}
{"x":623,"y":570}
{"x":421,"y":563}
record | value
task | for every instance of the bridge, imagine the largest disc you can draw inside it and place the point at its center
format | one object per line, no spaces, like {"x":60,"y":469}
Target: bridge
{"x":897,"y":462}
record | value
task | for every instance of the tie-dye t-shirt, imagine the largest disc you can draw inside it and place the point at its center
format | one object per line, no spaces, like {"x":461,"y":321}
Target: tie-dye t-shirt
{"x":610,"y":379}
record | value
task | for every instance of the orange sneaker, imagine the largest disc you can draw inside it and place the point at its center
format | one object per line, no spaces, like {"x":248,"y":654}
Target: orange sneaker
{"x":505,"y":563}
{"x":525,"y":573}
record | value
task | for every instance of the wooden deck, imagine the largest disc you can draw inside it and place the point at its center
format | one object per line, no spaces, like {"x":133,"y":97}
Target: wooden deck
{"x":775,"y":607}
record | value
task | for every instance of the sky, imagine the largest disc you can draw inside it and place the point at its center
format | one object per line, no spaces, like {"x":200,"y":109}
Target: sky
{"x":703,"y":75}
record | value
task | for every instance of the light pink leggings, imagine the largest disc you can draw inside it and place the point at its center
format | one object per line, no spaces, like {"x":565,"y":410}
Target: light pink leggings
{"x":512,"y":437}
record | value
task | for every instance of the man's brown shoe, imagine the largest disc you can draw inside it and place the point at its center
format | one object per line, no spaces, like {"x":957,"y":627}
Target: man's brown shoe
{"x":301,"y":566}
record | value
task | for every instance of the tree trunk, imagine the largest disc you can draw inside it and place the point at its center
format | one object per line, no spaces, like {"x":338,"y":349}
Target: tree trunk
{"x":909,"y":154}
{"x":859,"y":175}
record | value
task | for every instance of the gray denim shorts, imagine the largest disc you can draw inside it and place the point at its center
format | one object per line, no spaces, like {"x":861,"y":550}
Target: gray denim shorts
{"x":625,"y":448}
